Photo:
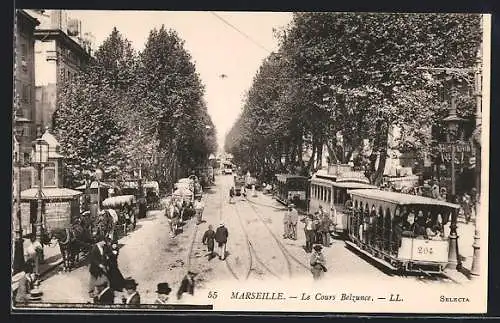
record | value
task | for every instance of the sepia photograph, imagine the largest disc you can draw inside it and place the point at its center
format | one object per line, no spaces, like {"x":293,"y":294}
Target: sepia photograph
{"x":250,"y":161}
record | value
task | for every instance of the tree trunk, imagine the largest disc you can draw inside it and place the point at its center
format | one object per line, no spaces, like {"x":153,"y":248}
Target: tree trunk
{"x":381,"y":143}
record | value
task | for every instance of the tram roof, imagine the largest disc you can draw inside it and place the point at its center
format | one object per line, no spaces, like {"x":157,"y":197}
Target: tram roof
{"x":400,"y":198}
{"x":354,"y":185}
{"x":290,"y":176}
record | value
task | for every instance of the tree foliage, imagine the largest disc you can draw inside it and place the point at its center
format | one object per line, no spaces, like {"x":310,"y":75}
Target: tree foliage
{"x":136,"y":111}
{"x":345,"y":77}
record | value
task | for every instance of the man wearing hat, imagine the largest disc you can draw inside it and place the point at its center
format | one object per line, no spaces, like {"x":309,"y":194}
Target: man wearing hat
{"x":104,"y":294}
{"x":221,"y":235}
{"x":163,"y":291}
{"x":294,"y":219}
{"x":131,"y":297}
{"x":318,"y":262}
{"x":98,"y":262}
{"x":309,"y":231}
{"x":286,"y":222}
{"x":187,"y":284}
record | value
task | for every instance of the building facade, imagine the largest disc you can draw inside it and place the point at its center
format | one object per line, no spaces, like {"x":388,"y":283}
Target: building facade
{"x":61,"y":51}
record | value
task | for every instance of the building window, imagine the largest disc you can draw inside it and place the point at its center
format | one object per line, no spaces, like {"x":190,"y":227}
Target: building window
{"x":27,"y":130}
{"x":27,"y":158}
{"x":24,"y":93}
{"x":24,"y":55}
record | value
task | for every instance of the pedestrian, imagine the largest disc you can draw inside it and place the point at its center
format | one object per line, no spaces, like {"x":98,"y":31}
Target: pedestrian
{"x":318,"y":263}
{"x":467,"y":207}
{"x":187,"y":284}
{"x":221,"y":235}
{"x":286,"y":222}
{"x":103,"y":293}
{"x":116,"y":280}
{"x":98,"y":263}
{"x":163,"y":291}
{"x":131,"y":296}
{"x":34,"y":251}
{"x":209,"y":240}
{"x":317,"y":235}
{"x":309,"y":231}
{"x":324,"y":229}
{"x":199,"y":206}
{"x":294,"y":218}
{"x":474,"y":200}
{"x":26,"y":284}
{"x":231,"y":194}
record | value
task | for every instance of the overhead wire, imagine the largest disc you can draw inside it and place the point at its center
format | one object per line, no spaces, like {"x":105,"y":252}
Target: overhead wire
{"x":241,"y":32}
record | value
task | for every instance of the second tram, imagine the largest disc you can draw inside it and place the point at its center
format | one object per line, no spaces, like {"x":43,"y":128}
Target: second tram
{"x":292,"y":188}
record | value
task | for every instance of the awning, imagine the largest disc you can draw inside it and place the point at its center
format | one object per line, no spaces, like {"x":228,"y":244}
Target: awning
{"x":50,"y":193}
{"x":94,"y":185}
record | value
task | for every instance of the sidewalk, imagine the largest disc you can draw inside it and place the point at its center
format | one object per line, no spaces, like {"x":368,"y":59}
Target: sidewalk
{"x":52,"y":259}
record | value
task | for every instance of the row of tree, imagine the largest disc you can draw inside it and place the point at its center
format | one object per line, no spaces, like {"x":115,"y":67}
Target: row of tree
{"x":341,"y":78}
{"x":130,"y":111}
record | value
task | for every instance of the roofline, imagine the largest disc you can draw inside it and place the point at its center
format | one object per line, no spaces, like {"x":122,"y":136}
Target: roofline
{"x":365,"y":193}
{"x":32,"y":19}
{"x":55,"y":33}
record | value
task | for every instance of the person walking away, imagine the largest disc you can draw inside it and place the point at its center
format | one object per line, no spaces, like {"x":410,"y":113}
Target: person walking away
{"x":317,"y":235}
{"x":98,"y":263}
{"x":131,"y":296}
{"x":199,"y":206}
{"x":187,"y":284}
{"x":103,"y":293}
{"x":466,"y":205}
{"x":318,"y":263}
{"x":474,"y":200}
{"x":294,"y":218}
{"x":324,"y":230}
{"x":221,"y":235}
{"x":163,"y":291}
{"x":26,"y":284}
{"x":309,"y":231}
{"x":116,"y":280}
{"x":209,"y":240}
{"x":286,"y":223}
{"x":231,"y":194}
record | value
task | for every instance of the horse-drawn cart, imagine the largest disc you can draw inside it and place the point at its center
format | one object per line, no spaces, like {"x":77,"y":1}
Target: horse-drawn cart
{"x":126,"y":210}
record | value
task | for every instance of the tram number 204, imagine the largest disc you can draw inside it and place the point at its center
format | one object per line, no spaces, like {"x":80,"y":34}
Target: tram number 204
{"x":425,"y":250}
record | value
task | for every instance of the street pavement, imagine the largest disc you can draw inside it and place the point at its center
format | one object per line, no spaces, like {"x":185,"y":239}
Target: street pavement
{"x":256,"y":250}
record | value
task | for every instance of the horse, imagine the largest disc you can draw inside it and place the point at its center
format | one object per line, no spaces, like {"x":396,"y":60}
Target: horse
{"x":72,"y":241}
{"x":173,"y":217}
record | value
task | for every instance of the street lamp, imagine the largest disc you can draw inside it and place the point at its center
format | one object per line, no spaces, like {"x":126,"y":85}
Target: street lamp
{"x":40,"y":157}
{"x":19,"y":241}
{"x":453,"y":122}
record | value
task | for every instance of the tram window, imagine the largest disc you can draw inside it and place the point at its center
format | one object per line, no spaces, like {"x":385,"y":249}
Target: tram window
{"x":329,"y":195}
{"x":355,"y":204}
{"x":380,"y":211}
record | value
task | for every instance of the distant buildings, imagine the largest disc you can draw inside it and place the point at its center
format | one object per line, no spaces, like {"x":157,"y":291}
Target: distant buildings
{"x":62,"y":49}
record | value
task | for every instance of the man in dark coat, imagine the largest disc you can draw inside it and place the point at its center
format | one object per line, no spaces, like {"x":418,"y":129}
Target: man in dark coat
{"x":209,"y":240}
{"x":187,"y":284}
{"x":98,"y":262}
{"x":104,"y":294}
{"x":132,"y":297}
{"x":221,"y":237}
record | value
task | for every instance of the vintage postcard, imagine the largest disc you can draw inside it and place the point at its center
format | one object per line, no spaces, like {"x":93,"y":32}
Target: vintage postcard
{"x":250,"y":161}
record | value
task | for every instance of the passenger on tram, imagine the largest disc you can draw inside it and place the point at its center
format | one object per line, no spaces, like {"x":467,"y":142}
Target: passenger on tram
{"x":408,"y":225}
{"x":420,"y":222}
{"x":397,"y":229}
{"x":436,"y":229}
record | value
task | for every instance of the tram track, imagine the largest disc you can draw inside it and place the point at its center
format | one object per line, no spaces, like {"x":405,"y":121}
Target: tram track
{"x":289,"y":256}
{"x":251,"y":250}
{"x":288,"y":264}
{"x":221,"y":205}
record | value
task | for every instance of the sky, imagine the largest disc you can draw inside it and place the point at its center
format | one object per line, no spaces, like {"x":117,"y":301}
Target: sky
{"x":215,"y":47}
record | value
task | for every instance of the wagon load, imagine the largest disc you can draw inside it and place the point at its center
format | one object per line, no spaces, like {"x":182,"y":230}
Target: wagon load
{"x":183,"y":194}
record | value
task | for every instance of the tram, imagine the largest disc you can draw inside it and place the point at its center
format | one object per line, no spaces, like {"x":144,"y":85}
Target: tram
{"x":292,"y":188}
{"x":403,"y":232}
{"x":332,"y":192}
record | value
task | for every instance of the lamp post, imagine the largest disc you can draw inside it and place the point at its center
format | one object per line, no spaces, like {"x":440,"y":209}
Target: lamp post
{"x":19,"y":241}
{"x":40,"y":157}
{"x":476,"y":268}
{"x":453,"y":121}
